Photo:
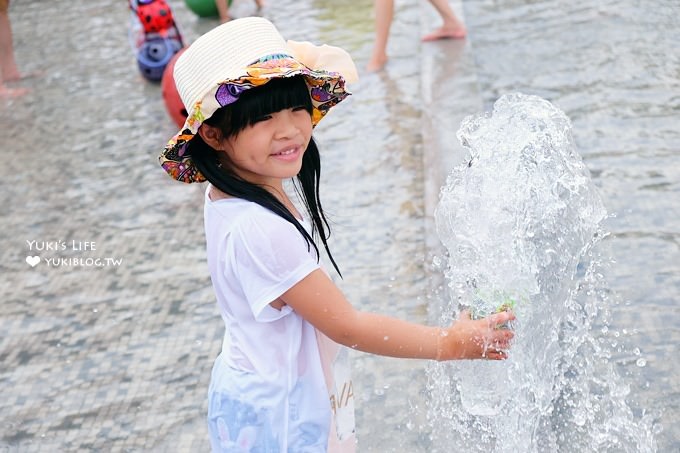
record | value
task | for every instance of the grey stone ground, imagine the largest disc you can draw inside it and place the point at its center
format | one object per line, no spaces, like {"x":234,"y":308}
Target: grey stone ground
{"x":117,"y":358}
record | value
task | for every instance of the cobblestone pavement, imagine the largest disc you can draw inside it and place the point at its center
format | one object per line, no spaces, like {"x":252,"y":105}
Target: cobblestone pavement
{"x":610,"y":66}
{"x":115,"y":354}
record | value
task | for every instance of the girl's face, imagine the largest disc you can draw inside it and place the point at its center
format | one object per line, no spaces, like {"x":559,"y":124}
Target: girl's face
{"x":271,"y":149}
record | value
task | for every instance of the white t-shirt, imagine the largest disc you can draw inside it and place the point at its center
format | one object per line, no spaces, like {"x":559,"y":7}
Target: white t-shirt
{"x":278,"y":385}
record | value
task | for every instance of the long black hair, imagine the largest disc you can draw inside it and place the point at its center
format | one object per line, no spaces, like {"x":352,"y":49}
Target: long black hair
{"x":276,"y":95}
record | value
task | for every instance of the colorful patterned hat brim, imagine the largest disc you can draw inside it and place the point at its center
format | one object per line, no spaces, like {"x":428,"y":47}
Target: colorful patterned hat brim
{"x":326,"y":90}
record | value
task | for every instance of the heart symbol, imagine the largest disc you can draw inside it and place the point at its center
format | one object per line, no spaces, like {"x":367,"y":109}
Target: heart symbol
{"x":32,"y":260}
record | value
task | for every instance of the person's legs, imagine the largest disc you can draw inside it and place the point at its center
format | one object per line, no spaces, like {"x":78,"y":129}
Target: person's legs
{"x":6,"y":92}
{"x":223,"y":10}
{"x":384,"y":10}
{"x":452,"y":28}
{"x":8,"y":66}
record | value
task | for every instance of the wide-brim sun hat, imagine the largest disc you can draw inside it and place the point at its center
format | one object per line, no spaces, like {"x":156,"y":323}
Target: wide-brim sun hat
{"x":239,"y":55}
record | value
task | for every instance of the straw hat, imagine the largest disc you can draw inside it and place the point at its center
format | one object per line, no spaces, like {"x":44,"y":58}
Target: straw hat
{"x":239,"y":55}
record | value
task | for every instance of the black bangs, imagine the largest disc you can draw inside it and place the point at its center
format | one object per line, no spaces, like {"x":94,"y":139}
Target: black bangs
{"x":252,"y":105}
{"x":274,"y":96}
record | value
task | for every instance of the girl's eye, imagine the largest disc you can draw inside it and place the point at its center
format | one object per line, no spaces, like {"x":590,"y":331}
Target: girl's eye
{"x":301,"y":107}
{"x":262,"y":118}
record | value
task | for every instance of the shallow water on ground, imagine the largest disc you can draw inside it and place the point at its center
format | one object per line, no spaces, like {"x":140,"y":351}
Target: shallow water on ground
{"x":122,"y":354}
{"x":611,"y":67}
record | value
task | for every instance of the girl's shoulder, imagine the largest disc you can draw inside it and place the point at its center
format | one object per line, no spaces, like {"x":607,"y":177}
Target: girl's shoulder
{"x":240,"y":214}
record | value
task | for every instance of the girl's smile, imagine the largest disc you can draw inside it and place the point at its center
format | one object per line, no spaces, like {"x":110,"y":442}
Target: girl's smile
{"x":270,"y":149}
{"x":289,"y":154}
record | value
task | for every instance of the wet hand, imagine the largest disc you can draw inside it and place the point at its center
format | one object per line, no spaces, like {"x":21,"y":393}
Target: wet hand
{"x":477,"y":339}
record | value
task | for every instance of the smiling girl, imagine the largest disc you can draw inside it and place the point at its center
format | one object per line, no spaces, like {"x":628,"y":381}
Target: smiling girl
{"x":282,"y":381}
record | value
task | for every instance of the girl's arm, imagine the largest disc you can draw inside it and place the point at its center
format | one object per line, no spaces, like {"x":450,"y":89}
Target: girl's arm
{"x":317,"y":299}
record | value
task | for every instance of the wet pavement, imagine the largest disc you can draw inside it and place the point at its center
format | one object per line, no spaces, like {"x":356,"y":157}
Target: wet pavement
{"x":106,"y":344}
{"x":108,"y":341}
{"x":611,"y":67}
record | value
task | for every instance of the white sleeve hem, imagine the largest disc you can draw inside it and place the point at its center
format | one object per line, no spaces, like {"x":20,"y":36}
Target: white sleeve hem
{"x":273,"y":293}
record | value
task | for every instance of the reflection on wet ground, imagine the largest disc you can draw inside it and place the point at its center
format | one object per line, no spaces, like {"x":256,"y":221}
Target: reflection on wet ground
{"x":610,"y":67}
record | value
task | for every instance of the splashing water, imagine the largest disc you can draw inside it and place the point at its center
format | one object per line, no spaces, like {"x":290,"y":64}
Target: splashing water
{"x":519,"y":221}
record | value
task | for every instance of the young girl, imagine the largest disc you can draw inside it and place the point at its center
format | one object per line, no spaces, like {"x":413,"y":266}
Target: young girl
{"x":282,"y":382}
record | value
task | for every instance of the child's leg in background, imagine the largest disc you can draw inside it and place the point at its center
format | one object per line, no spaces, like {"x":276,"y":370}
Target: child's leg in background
{"x":8,"y":66}
{"x":452,"y":28}
{"x":384,"y":11}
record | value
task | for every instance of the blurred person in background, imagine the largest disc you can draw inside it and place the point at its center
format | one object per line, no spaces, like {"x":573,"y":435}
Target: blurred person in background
{"x":9,"y":72}
{"x":451,"y":28}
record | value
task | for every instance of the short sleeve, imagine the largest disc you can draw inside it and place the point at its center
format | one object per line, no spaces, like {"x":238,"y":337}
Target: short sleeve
{"x":270,"y":257}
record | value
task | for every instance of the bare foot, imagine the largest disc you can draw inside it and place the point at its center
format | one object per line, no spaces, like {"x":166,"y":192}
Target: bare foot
{"x":11,"y":93}
{"x":16,"y":77}
{"x":376,"y":63}
{"x":443,"y":32}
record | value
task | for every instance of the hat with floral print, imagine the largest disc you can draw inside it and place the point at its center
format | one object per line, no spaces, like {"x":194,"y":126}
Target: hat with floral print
{"x":237,"y":56}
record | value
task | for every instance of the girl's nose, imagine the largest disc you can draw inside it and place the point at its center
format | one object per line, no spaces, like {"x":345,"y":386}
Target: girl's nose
{"x":285,"y":124}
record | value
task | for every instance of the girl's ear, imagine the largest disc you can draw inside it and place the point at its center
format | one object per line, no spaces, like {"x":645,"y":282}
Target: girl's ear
{"x":211,"y":136}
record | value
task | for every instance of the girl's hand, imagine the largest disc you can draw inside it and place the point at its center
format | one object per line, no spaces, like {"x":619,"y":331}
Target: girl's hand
{"x":476,"y":339}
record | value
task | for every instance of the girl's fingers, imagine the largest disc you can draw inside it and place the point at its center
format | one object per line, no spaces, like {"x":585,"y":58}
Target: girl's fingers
{"x":499,"y":339}
{"x":495,"y":355}
{"x":498,"y":319}
{"x":502,"y":335}
{"x":500,"y":345}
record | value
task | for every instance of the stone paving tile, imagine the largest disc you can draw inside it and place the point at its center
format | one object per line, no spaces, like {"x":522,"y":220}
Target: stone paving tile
{"x":118,"y":357}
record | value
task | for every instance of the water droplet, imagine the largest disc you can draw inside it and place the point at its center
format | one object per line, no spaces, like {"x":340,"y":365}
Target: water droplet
{"x":636,"y":351}
{"x":579,"y":417}
{"x":94,"y":310}
{"x":641,"y":362}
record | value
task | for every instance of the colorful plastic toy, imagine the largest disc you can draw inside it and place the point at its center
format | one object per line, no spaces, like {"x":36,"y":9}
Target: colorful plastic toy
{"x":173,"y":102}
{"x":203,"y":8}
{"x":154,"y":55}
{"x":154,"y":36}
{"x":155,"y":16}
